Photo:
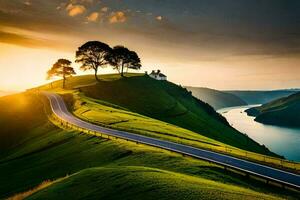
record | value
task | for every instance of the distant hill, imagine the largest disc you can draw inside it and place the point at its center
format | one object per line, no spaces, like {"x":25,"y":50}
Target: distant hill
{"x":4,"y":93}
{"x":217,"y":99}
{"x":282,"y":112}
{"x":262,"y":97}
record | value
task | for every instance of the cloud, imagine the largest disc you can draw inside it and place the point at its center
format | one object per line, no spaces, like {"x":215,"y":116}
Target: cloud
{"x":81,"y":1}
{"x":27,"y":3}
{"x":117,"y":17}
{"x":159,"y":18}
{"x":24,"y":40}
{"x":61,"y":6}
{"x":104,"y":9}
{"x":231,"y":30}
{"x":93,"y":17}
{"x":74,"y":10}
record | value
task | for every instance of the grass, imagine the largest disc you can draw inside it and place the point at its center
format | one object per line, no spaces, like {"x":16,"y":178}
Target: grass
{"x":112,"y":116}
{"x":156,"y":184}
{"x":163,"y":101}
{"x":19,"y":114}
{"x":41,"y":186}
{"x":94,"y":167}
{"x":118,"y":116}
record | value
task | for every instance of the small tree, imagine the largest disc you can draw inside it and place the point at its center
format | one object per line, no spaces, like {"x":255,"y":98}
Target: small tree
{"x":121,"y":57}
{"x":61,"y":68}
{"x":92,"y":55}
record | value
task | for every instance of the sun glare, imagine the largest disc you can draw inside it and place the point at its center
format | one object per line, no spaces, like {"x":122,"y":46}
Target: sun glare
{"x":22,"y":68}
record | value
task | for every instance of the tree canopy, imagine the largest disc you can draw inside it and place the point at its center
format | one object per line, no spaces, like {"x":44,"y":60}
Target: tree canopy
{"x":61,"y":68}
{"x":121,"y":57}
{"x":95,"y":54}
{"x":92,"y":55}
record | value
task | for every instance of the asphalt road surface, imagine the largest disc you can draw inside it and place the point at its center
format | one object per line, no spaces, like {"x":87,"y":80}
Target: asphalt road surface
{"x":286,"y":178}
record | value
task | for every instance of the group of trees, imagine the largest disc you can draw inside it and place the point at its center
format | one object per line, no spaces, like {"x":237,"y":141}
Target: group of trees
{"x":94,"y":55}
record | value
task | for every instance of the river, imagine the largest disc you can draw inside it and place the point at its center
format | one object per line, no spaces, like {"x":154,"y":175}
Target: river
{"x":281,"y":140}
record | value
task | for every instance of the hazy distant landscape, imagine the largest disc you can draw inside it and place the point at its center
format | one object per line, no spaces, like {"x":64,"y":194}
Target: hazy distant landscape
{"x":222,"y":99}
{"x":262,"y":97}
{"x":217,"y":99}
{"x":4,"y":93}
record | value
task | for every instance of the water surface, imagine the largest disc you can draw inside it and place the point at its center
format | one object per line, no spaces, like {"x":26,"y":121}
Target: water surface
{"x":281,"y":140}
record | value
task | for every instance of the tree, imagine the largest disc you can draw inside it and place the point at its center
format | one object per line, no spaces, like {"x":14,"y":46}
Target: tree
{"x":121,"y":57}
{"x":92,"y":55}
{"x":135,"y":61}
{"x":61,"y":68}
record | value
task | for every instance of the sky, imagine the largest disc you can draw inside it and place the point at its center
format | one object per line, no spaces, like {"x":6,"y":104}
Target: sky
{"x":221,"y":44}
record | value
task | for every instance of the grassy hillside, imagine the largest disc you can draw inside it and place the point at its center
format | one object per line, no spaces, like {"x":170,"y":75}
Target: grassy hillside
{"x":164,"y":101}
{"x":217,"y":99}
{"x":156,"y":184}
{"x":46,"y":162}
{"x":112,"y":116}
{"x":15,"y":113}
{"x":261,"y":97}
{"x":282,"y":112}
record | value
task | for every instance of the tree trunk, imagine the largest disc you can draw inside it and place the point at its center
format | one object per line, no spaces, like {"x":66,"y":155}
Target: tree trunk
{"x":64,"y":82}
{"x":122,"y":73}
{"x":96,"y":70}
{"x":118,"y":69}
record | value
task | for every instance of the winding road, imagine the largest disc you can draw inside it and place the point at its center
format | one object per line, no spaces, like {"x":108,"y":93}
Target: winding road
{"x":285,"y":178}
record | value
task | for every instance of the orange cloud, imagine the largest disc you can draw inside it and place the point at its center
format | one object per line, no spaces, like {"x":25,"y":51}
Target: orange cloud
{"x":27,"y":3}
{"x":81,"y":1}
{"x":93,"y":17}
{"x":74,"y":10}
{"x":104,"y":9}
{"x":117,"y":17}
{"x":159,"y":18}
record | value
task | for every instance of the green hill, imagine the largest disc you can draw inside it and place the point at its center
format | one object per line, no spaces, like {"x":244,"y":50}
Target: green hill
{"x":16,"y":113}
{"x":217,"y":99}
{"x":126,"y":182}
{"x":42,"y":161}
{"x":282,"y":112}
{"x":261,"y":97}
{"x":164,"y":101}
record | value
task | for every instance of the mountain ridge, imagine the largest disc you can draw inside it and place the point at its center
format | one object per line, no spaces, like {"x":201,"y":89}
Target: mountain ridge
{"x":216,"y":98}
{"x":253,"y":97}
{"x":282,"y":112}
